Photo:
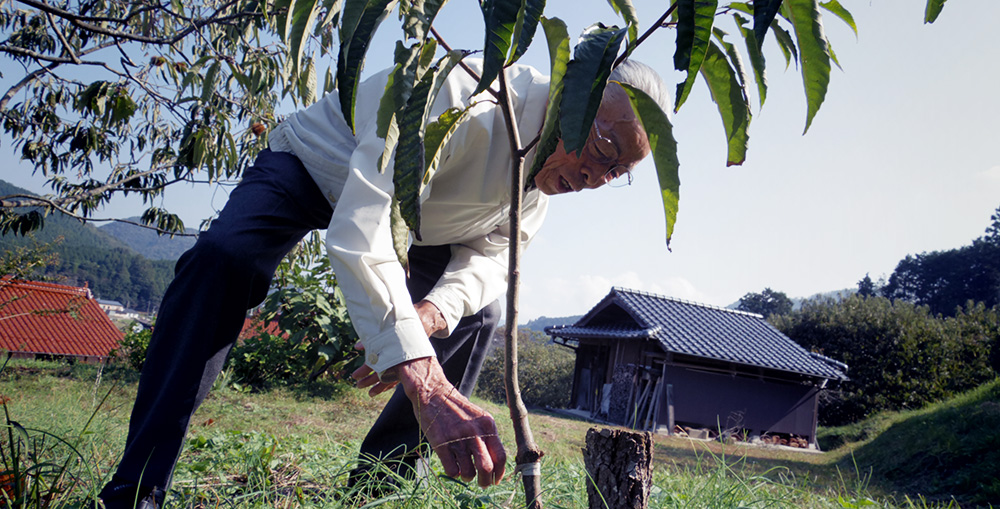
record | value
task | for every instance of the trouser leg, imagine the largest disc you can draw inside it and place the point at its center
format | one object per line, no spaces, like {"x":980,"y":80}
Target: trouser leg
{"x":396,"y":433}
{"x":227,"y":272}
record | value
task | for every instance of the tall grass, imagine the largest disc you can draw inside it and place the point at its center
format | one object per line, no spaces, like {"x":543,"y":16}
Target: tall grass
{"x":289,"y":449}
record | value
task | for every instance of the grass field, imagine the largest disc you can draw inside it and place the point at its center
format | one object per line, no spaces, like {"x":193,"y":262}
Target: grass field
{"x":294,"y":447}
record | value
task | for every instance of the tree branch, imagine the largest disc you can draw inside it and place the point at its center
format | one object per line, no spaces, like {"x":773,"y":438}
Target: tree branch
{"x":659,"y":24}
{"x":465,"y":67}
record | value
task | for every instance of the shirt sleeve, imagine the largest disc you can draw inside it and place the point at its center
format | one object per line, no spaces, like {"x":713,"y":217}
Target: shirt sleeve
{"x":359,"y":243}
{"x":477,"y":272}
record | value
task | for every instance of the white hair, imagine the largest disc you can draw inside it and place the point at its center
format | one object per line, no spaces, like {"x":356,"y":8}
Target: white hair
{"x":643,"y":77}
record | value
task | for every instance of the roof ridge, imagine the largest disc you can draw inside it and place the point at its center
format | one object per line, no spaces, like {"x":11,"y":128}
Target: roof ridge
{"x":50,"y":287}
{"x":685,"y":301}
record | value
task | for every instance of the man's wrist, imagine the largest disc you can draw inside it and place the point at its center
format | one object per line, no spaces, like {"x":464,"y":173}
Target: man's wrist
{"x":431,"y":317}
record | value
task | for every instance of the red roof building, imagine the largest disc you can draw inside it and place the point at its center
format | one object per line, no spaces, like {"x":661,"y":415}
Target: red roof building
{"x":49,"y":319}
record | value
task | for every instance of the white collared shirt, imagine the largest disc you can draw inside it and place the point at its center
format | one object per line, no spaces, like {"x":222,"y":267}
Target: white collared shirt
{"x":466,"y":204}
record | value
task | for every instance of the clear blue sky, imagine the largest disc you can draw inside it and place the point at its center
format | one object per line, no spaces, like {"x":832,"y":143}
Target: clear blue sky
{"x":901,"y":159}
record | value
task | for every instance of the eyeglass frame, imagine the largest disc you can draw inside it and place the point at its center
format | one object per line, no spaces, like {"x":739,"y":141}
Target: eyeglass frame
{"x":615,"y":168}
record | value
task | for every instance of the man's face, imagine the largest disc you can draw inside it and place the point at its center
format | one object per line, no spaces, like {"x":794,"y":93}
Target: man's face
{"x":616,"y":143}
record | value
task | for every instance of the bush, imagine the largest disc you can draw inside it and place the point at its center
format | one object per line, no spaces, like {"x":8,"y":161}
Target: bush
{"x":545,"y":371}
{"x":900,"y":356}
{"x":265,"y":360}
{"x":132,"y":349}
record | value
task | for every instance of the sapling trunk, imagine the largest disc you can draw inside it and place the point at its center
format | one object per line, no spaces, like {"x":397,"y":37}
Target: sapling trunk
{"x":528,"y":453}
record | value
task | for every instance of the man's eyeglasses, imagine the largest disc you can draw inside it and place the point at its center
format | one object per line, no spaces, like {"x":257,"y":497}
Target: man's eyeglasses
{"x":604,"y":151}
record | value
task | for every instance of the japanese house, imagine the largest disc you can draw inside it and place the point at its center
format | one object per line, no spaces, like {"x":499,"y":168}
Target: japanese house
{"x":653,"y":362}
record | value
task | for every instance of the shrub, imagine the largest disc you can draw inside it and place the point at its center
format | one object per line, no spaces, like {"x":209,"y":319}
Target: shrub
{"x":545,"y":371}
{"x":132,"y":349}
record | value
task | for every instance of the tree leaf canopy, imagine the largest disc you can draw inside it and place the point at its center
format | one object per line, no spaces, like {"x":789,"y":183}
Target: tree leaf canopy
{"x":729,"y":96}
{"x":694,"y":29}
{"x":558,"y":42}
{"x":586,"y":76}
{"x":807,"y":22}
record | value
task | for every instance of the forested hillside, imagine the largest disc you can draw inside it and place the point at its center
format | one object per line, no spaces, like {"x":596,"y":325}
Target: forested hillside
{"x":148,"y":242}
{"x":86,"y":254}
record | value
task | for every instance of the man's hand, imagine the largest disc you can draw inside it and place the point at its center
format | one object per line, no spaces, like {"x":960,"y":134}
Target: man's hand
{"x":463,"y":435}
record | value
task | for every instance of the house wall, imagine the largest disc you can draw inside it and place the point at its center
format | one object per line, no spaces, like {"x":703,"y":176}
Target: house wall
{"x":717,"y":400}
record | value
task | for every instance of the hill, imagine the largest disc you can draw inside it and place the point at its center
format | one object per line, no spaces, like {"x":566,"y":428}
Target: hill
{"x":90,"y":256}
{"x":148,"y":242}
{"x":947,"y":450}
{"x":539,"y":324}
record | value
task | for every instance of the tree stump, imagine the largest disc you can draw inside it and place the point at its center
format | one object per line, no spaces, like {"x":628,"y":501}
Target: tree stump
{"x":618,"y":462}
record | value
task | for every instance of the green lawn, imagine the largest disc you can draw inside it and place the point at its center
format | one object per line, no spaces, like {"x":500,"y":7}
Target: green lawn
{"x":293,"y":448}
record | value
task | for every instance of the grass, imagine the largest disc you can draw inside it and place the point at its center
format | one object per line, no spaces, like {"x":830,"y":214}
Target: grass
{"x":294,"y":448}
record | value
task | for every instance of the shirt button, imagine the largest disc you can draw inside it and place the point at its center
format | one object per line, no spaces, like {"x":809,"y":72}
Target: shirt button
{"x":372,"y":359}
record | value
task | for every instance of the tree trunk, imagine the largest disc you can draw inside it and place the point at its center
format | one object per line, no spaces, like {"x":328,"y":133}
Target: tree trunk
{"x":618,"y":463}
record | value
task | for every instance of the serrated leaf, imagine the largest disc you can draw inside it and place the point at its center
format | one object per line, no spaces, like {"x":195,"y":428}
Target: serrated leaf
{"x":786,"y":43}
{"x":933,"y":10}
{"x":756,"y":58}
{"x":662,"y":145}
{"x":301,"y":21}
{"x":500,"y":17}
{"x":626,"y":10}
{"x":397,"y":92}
{"x":729,"y":96}
{"x":586,"y":76}
{"x":694,"y":30}
{"x":807,"y":23}
{"x":841,"y":12}
{"x":525,"y":28}
{"x":360,"y":19}
{"x":764,"y":12}
{"x":558,"y":41}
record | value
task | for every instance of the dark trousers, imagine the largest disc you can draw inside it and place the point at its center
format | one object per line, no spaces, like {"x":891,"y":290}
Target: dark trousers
{"x":229,"y":271}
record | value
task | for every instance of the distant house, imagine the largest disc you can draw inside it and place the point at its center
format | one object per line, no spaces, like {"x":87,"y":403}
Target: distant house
{"x":658,"y":363}
{"x":45,"y":319}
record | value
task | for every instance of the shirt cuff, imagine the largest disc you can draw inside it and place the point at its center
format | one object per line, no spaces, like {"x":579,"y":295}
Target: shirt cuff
{"x":406,"y":341}
{"x":452,"y":307}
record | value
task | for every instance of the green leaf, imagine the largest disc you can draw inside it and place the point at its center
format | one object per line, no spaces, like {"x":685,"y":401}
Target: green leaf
{"x":307,"y":82}
{"x":731,"y":100}
{"x":786,"y":44}
{"x":586,"y":76}
{"x":933,"y":10}
{"x":419,"y":16}
{"x":400,"y":235}
{"x":558,"y":41}
{"x":397,"y":92}
{"x":626,"y":10}
{"x":764,"y":12}
{"x":283,"y":8}
{"x":409,"y":169}
{"x":806,"y":20}
{"x":301,"y":21}
{"x":659,"y":132}
{"x":360,"y":20}
{"x":501,"y":17}
{"x":436,"y":137}
{"x":756,"y":57}
{"x":842,"y":13}
{"x":694,"y":29}
{"x":525,"y":28}
{"x":332,"y":9}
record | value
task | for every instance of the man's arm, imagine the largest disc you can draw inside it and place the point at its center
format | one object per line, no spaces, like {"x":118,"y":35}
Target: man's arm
{"x":463,"y":435}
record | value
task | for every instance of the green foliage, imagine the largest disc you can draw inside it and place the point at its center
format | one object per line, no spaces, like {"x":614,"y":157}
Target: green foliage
{"x":133,"y":347}
{"x":945,"y":280}
{"x":316,"y":335}
{"x":766,"y":303}
{"x":545,"y":371}
{"x":694,"y":32}
{"x":900,"y":356}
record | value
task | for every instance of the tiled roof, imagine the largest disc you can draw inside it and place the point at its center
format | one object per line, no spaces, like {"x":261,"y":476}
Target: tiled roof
{"x":47,"y":318}
{"x":698,"y":330}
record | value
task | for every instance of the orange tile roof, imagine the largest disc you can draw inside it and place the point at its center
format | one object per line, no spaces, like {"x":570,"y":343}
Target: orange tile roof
{"x":34,"y":319}
{"x":253,"y":324}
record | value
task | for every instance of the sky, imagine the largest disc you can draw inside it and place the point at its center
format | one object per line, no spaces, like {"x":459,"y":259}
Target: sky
{"x":901,"y":159}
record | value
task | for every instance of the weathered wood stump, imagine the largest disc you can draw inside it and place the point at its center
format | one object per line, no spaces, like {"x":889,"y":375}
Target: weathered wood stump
{"x":618,"y":462}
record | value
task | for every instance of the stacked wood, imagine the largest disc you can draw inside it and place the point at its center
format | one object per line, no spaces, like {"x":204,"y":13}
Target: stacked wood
{"x":618,"y":463}
{"x":788,"y":441}
{"x":622,"y":389}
